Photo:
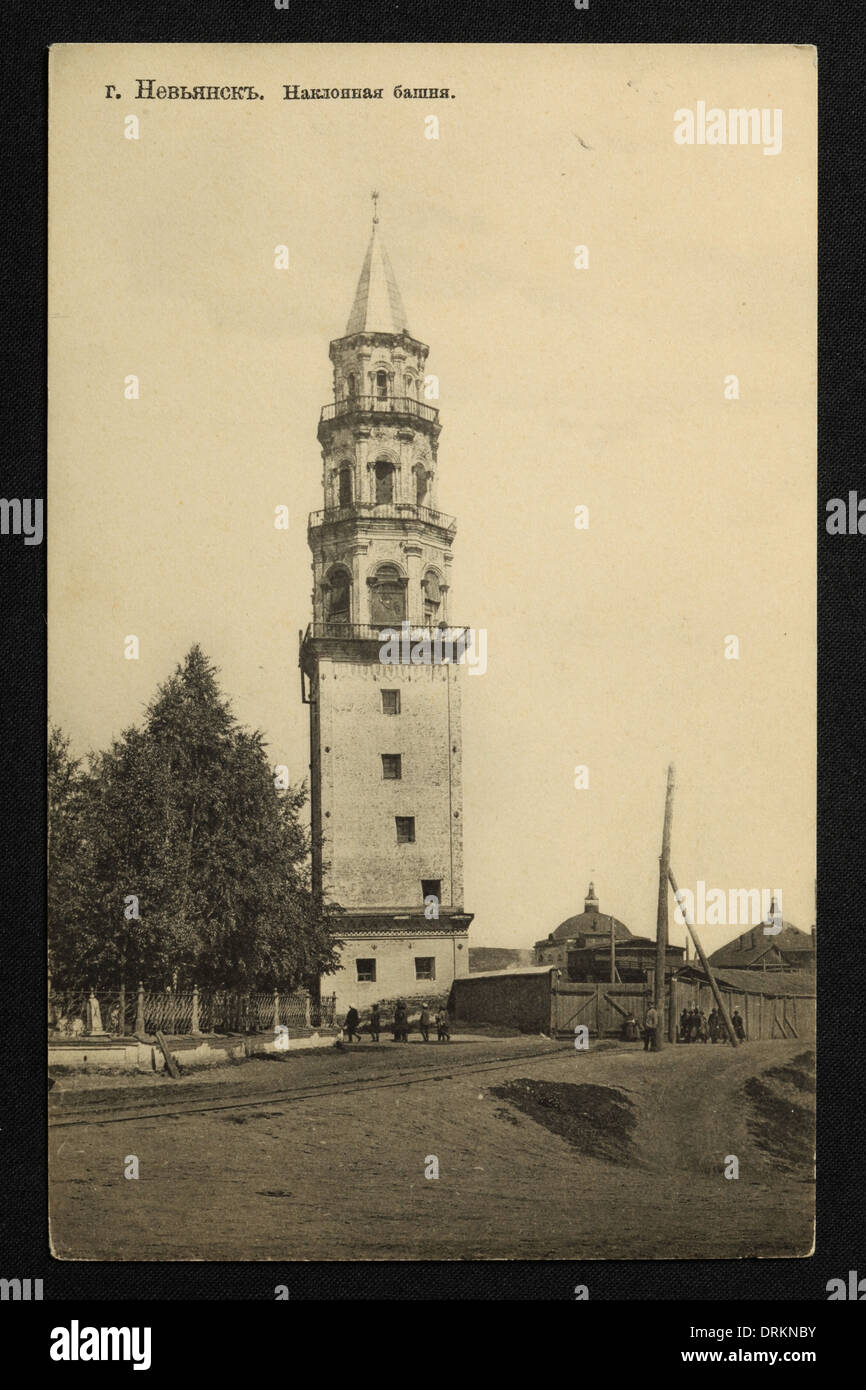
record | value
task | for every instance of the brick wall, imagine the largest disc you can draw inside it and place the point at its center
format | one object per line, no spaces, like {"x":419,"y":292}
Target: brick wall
{"x":365,"y":866}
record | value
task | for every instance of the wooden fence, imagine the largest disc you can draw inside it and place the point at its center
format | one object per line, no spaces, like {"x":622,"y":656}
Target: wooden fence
{"x":764,"y":1015}
{"x":603,"y":1008}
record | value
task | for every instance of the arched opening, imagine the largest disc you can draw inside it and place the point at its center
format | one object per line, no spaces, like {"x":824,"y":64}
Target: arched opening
{"x":421,"y":486}
{"x":382,"y":385}
{"x":350,"y":386}
{"x":338,"y":590}
{"x":384,"y":481}
{"x":387,"y":596}
{"x":344,"y":498}
{"x":432,"y":598}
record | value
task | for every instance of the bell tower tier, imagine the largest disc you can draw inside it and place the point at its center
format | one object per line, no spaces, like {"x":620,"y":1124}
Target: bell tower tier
{"x":385,"y":736}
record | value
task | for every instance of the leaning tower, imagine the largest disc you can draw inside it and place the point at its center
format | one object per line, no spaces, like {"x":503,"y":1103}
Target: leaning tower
{"x":385,"y":736}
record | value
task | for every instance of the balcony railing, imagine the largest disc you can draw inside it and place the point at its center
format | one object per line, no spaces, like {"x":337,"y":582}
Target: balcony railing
{"x":375,"y":405}
{"x":389,"y":511}
{"x":380,"y":632}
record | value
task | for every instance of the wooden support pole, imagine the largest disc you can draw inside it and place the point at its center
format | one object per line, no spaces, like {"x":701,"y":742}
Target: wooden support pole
{"x":662,"y":913}
{"x":170,"y":1064}
{"x":717,"y":995}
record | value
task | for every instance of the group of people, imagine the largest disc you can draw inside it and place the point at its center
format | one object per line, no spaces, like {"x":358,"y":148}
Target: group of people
{"x":426,"y":1021}
{"x":351,"y":1028}
{"x":632,"y":1031}
{"x":696,"y":1026}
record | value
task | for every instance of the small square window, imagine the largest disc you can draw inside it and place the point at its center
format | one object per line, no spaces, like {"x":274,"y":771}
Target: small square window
{"x":392,"y":767}
{"x":425,"y":967}
{"x":390,"y":702}
{"x":366,"y":971}
{"x":431,"y":888}
{"x":405,"y":830}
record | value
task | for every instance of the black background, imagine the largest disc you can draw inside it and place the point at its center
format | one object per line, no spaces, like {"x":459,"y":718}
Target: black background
{"x":26,"y":31}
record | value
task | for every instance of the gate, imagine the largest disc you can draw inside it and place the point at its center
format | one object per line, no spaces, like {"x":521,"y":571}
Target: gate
{"x":603,"y":1009}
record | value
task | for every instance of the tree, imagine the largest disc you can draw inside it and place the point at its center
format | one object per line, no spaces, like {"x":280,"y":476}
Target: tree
{"x":66,"y":877}
{"x":180,"y":822}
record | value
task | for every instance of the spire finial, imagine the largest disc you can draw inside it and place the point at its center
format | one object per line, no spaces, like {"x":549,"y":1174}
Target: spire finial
{"x":377,"y":306}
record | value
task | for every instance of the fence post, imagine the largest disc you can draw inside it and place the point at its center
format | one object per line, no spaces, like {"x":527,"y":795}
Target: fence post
{"x":276,"y":1012}
{"x":306,"y":1008}
{"x":139,"y":1010}
{"x":194,"y":1027}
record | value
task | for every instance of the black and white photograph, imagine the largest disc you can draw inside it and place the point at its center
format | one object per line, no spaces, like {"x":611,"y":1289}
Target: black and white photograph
{"x":431,"y":760}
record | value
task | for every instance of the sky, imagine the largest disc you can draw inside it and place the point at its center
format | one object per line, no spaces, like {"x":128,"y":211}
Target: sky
{"x":560,"y":387}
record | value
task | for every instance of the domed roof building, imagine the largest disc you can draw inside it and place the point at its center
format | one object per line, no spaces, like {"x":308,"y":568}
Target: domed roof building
{"x":593,"y":945}
{"x":590,"y":922}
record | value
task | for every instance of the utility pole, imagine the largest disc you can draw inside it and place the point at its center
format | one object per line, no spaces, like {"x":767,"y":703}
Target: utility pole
{"x":662,"y":914}
{"x":612,"y":953}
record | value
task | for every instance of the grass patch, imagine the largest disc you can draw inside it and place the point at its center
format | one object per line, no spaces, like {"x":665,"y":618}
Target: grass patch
{"x":596,"y":1120}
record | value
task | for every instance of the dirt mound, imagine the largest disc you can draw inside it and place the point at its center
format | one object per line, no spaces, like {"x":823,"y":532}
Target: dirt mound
{"x":799,"y":1072}
{"x":595,"y":1120}
{"x":781,"y":1116}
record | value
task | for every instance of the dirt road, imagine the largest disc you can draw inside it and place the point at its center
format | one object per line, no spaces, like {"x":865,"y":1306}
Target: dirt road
{"x":565,"y":1155}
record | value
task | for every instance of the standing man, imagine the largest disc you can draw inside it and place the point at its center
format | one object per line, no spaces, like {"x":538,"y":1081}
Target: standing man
{"x":401,"y":1022}
{"x":651,"y":1023}
{"x":352,"y":1021}
{"x":424,"y":1022}
{"x":375,"y":1023}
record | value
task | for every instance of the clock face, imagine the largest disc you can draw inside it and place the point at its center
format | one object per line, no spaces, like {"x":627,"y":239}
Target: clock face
{"x":388,"y":603}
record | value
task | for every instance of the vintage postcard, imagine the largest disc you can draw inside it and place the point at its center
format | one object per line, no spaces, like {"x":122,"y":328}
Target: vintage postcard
{"x":431,"y":651}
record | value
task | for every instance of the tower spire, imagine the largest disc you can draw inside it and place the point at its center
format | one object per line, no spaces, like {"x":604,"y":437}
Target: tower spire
{"x":378,"y":304}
